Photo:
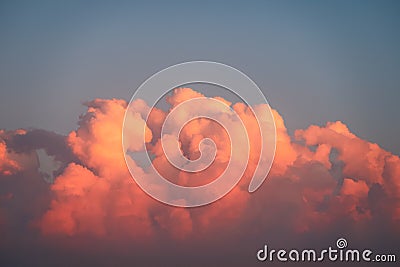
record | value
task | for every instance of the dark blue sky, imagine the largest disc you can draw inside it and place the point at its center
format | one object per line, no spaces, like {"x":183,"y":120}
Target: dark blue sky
{"x":316,"y":61}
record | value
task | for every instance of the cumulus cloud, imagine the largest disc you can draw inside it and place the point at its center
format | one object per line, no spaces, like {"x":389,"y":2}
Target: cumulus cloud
{"x":323,"y":179}
{"x":7,"y":166}
{"x":99,"y":197}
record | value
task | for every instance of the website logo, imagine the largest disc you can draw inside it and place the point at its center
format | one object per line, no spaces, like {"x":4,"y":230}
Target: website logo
{"x":139,"y":161}
{"x":339,"y":253}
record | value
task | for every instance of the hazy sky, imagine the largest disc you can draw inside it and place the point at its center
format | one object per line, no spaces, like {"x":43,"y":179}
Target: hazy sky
{"x":316,"y":61}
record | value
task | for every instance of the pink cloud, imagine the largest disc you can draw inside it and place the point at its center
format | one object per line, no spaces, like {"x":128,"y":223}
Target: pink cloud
{"x":98,"y":197}
{"x":324,"y":179}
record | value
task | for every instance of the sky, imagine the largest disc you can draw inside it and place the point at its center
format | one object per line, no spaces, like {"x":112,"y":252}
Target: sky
{"x":315,"y":61}
{"x":330,"y":73}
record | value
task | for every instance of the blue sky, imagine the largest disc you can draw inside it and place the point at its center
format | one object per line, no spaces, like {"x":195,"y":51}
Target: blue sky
{"x":315,"y":61}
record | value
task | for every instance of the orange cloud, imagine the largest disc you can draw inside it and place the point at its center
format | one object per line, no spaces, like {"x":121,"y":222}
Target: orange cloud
{"x":8,"y":166}
{"x":323,"y":174}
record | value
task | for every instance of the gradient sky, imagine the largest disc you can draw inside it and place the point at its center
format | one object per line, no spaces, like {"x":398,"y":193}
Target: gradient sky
{"x":316,"y":61}
{"x":329,"y":69}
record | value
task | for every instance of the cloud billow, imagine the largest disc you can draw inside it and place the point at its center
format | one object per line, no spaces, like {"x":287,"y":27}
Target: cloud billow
{"x":324,"y":181}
